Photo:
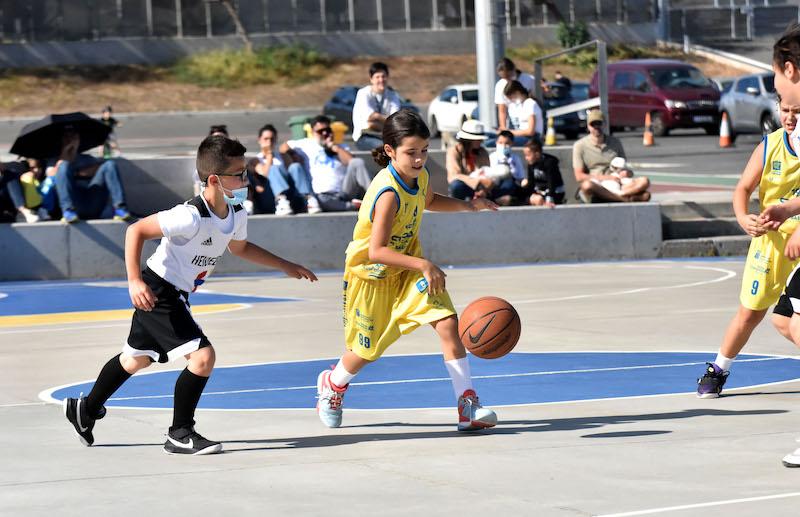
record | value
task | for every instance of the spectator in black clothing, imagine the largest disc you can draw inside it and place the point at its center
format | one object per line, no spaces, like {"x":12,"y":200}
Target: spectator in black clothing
{"x":563,"y":79}
{"x":544,"y":185}
{"x":12,"y":199}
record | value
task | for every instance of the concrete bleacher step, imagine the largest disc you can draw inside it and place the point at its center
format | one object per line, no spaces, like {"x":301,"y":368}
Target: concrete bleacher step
{"x":701,"y":227}
{"x":725,"y":246}
{"x":686,"y":210}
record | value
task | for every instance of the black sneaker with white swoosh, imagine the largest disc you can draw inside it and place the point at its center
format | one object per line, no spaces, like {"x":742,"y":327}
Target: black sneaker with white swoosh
{"x":75,"y":411}
{"x":189,"y":441}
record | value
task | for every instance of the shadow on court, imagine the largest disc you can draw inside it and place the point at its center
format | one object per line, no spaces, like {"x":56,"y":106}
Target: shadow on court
{"x":511,"y":427}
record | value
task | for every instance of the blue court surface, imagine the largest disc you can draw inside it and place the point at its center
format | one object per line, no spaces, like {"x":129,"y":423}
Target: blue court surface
{"x":421,"y":381}
{"x":44,"y":298}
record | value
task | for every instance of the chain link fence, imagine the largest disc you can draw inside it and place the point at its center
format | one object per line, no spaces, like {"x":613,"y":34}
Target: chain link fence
{"x":77,"y":20}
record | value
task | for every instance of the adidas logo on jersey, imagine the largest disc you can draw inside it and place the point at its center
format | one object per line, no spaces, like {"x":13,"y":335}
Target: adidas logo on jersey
{"x":206,"y":242}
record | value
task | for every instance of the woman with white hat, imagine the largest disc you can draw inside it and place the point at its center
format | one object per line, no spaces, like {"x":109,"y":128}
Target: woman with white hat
{"x":466,"y":157}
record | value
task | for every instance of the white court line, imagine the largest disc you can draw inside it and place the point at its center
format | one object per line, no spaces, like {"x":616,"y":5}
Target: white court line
{"x":701,"y":505}
{"x":21,"y":404}
{"x":443,"y":379}
{"x":728,"y":274}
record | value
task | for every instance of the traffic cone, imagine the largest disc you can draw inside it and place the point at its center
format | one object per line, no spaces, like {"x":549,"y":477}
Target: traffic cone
{"x":725,"y":132}
{"x":647,"y":138}
{"x":550,"y":136}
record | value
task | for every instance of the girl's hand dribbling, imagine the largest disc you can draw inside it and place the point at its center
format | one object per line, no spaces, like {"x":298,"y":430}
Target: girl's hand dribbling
{"x":297,"y":271}
{"x":141,"y":295}
{"x":435,"y":278}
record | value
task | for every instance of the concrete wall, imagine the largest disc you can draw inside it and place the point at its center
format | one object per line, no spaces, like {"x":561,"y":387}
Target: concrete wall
{"x":340,"y":44}
{"x":95,"y":249}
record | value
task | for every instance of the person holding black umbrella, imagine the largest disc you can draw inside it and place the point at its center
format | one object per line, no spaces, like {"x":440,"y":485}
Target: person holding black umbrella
{"x":84,"y":183}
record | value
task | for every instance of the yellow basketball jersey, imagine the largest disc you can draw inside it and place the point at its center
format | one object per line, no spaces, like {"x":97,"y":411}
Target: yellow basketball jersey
{"x":780,"y":178}
{"x":405,"y":227}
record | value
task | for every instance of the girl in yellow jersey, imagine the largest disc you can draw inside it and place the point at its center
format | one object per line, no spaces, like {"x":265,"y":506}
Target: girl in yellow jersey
{"x":775,"y":170}
{"x":389,"y":287}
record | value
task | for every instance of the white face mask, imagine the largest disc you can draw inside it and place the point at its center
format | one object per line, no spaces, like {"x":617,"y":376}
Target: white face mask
{"x":503,"y":149}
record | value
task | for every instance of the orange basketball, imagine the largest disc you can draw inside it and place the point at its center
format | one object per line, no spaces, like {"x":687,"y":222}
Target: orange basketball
{"x":489,"y":327}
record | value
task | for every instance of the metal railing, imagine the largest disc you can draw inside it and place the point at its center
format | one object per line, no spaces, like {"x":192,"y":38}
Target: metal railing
{"x":44,"y":20}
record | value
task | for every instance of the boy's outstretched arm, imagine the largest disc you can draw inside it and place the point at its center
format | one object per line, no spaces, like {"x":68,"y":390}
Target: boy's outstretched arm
{"x":145,"y":229}
{"x":254,"y":253}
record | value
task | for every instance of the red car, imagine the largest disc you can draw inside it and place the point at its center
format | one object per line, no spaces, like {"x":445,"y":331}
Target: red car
{"x":676,"y":94}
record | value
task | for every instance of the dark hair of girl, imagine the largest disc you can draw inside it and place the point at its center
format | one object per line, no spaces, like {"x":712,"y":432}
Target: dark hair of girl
{"x":399,"y":125}
{"x":787,"y":48}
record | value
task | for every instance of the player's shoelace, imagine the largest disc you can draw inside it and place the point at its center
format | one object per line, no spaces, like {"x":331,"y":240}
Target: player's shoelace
{"x":333,"y":399}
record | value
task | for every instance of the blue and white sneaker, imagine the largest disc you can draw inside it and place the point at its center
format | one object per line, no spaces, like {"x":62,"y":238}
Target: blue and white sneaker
{"x":122,"y":214}
{"x":330,"y":398}
{"x":471,"y":415}
{"x":709,"y":386}
{"x":69,"y":217}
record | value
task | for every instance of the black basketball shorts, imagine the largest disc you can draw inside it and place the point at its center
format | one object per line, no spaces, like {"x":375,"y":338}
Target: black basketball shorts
{"x":168,"y":331}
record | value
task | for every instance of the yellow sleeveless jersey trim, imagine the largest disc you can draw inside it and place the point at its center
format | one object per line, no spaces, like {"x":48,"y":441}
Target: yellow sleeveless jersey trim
{"x":404,"y":237}
{"x":780,"y":175}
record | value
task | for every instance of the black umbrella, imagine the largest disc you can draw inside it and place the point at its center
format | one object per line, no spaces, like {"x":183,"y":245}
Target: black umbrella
{"x":42,"y":139}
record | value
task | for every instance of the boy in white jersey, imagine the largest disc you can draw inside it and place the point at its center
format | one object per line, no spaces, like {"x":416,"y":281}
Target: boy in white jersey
{"x":194,"y":236}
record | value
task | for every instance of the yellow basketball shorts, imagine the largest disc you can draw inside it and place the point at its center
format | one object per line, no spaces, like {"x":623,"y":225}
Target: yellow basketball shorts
{"x":766,"y":271}
{"x":378,"y":312}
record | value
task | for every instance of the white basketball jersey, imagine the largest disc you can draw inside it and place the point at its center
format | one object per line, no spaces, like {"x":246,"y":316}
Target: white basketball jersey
{"x":194,"y":241}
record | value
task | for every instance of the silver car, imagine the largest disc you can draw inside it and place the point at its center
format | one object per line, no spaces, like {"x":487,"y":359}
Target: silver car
{"x":752,"y":104}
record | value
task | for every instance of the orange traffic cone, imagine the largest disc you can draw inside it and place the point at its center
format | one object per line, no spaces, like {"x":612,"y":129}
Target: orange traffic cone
{"x":647,"y":139}
{"x":725,"y":132}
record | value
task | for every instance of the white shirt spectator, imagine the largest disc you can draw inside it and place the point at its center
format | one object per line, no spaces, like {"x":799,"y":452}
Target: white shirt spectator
{"x":520,"y":112}
{"x":513,"y":161}
{"x":367,"y":103}
{"x":327,"y":172}
{"x":526,"y":80}
{"x":276,"y":159}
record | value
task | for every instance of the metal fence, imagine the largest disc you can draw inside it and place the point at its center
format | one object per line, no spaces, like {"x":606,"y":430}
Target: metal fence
{"x":739,"y":21}
{"x":70,"y":20}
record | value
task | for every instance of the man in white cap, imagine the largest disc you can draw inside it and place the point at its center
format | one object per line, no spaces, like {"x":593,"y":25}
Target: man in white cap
{"x":592,"y":157}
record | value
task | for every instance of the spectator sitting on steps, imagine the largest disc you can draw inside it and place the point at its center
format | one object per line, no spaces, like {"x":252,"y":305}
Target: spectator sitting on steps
{"x":591,"y":162}
{"x":84,"y":183}
{"x":338,"y":180}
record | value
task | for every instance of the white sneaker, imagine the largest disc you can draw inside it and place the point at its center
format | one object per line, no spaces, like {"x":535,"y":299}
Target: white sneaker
{"x":792,"y":460}
{"x":330,"y":400}
{"x":471,"y":415}
{"x":283,"y":207}
{"x":313,"y":205}
{"x":28,"y":215}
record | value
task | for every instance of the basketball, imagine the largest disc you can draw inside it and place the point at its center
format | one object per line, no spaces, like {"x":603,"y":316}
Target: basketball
{"x":489,"y":327}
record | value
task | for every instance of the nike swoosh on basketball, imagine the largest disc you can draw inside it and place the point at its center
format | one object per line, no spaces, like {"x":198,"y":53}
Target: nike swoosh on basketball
{"x":176,"y":443}
{"x":475,"y":339}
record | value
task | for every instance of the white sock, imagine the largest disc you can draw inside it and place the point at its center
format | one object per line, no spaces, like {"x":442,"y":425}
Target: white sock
{"x":723,"y":362}
{"x":460,"y":375}
{"x":340,"y":376}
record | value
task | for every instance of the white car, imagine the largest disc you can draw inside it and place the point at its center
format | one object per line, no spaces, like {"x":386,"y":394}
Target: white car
{"x":452,"y":107}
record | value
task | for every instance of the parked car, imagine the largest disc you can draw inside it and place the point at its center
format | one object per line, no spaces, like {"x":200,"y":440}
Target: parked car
{"x":340,"y":105}
{"x":569,"y":125}
{"x":676,"y":94}
{"x":723,"y":84}
{"x":452,"y":107}
{"x":752,"y":104}
{"x":580,"y":92}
